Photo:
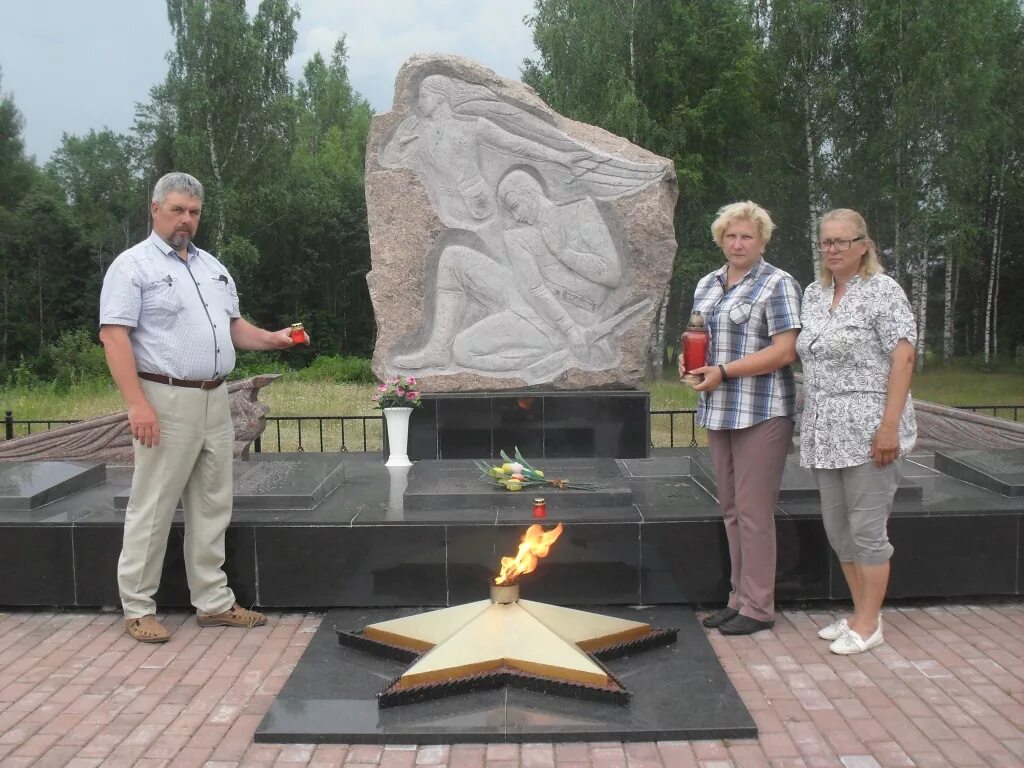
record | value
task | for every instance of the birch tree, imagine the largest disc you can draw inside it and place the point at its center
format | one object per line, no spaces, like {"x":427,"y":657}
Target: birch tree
{"x":230,"y":97}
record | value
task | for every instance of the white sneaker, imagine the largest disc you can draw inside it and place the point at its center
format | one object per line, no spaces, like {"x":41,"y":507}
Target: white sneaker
{"x":850,"y":642}
{"x":834,"y":630}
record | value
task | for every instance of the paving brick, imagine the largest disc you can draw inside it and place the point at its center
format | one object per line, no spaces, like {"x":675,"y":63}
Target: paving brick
{"x":946,"y":689}
{"x":470,"y":756}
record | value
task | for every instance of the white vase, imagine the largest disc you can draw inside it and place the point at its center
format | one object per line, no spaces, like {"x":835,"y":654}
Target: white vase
{"x":397,"y":420}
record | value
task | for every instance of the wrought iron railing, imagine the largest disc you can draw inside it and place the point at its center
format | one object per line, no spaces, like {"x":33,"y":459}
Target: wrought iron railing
{"x":323,"y":434}
{"x":1009,"y":412}
{"x":326,"y":433}
{"x":670,"y":428}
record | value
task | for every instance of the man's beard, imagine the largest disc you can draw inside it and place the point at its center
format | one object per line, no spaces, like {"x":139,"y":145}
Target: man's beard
{"x":180,"y":239}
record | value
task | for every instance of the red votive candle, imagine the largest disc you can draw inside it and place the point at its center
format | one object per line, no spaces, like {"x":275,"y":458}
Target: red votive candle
{"x":695,"y":344}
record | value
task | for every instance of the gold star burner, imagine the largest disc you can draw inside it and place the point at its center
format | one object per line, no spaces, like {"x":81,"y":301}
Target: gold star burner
{"x":507,"y":641}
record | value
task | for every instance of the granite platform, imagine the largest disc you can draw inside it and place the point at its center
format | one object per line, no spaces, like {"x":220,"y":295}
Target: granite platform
{"x":678,"y":691}
{"x":364,"y":545}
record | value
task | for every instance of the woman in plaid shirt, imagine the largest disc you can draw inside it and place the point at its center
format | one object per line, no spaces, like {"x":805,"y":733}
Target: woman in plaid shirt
{"x":747,"y":403}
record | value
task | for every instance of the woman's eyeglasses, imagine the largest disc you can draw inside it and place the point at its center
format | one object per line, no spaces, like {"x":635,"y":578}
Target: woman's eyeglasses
{"x":839,"y":245}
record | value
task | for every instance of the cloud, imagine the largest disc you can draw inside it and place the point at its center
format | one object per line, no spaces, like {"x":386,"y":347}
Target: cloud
{"x":381,"y":36}
{"x":73,"y":66}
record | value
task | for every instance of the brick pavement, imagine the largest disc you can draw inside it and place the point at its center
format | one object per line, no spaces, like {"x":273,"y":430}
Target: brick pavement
{"x":946,"y":690}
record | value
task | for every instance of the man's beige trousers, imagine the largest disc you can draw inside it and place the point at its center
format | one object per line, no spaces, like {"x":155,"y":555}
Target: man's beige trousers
{"x":192,"y":463}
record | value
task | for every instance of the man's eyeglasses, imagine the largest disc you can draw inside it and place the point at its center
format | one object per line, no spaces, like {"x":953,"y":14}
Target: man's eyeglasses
{"x":839,"y":245}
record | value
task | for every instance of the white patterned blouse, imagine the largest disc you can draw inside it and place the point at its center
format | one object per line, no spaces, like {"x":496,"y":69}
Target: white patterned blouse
{"x":846,"y":361}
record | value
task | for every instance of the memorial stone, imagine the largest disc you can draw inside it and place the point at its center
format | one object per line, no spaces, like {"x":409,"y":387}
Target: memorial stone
{"x":511,"y":247}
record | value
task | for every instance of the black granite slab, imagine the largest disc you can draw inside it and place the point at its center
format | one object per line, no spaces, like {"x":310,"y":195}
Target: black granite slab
{"x":999,"y":470}
{"x":679,"y":691}
{"x":28,"y":485}
{"x":276,"y":481}
{"x":302,"y":565}
{"x":37,"y":565}
{"x":954,"y":555}
{"x":459,"y":485}
{"x":469,"y":425}
{"x":97,"y":548}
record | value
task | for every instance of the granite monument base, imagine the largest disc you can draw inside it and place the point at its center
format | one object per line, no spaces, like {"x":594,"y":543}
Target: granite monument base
{"x":363,"y":546}
{"x":543,"y":425}
{"x":678,"y":691}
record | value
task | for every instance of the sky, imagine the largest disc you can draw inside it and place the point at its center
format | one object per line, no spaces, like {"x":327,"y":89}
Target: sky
{"x":76,"y":65}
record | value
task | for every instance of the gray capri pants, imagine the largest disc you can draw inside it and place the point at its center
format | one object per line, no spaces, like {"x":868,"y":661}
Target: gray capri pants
{"x":855,"y":507}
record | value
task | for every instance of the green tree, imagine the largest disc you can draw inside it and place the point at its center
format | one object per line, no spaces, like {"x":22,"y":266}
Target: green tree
{"x":229,"y":95}
{"x":321,"y":277}
{"x":100,"y":176}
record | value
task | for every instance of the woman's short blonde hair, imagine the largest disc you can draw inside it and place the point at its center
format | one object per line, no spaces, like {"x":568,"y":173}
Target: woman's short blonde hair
{"x":748,"y":210}
{"x":869,"y":263}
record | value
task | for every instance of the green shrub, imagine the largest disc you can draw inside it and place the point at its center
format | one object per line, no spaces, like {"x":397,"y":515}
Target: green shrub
{"x":22,"y":375}
{"x":76,"y":358}
{"x":249,"y":363}
{"x":335,"y":368}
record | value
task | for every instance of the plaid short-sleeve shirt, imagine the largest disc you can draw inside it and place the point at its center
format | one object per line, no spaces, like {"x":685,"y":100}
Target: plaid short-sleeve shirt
{"x":741,"y":321}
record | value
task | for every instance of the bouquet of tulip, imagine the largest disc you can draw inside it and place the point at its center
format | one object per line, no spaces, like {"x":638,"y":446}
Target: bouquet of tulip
{"x":397,"y":392}
{"x":517,"y":474}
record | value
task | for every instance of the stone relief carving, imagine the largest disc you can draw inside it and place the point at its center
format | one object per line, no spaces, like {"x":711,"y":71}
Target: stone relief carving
{"x":530,"y":274}
{"x":552,"y":303}
{"x":463,"y":135}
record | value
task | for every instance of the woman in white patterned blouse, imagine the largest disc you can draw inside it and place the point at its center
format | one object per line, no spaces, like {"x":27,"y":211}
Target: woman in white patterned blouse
{"x":857,"y":349}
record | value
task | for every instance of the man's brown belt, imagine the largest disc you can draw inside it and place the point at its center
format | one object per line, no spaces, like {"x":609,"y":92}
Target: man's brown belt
{"x":159,"y":378}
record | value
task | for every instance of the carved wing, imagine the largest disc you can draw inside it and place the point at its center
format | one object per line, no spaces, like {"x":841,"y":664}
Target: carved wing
{"x":572,"y":169}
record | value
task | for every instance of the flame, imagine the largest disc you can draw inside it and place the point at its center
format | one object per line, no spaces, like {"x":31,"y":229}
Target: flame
{"x":536,"y":543}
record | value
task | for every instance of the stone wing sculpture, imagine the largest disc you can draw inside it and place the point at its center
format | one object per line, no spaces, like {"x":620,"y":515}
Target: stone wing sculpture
{"x":107,"y":438}
{"x":511,"y":246}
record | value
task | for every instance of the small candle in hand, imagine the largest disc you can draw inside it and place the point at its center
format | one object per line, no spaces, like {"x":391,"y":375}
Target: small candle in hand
{"x":299,"y":334}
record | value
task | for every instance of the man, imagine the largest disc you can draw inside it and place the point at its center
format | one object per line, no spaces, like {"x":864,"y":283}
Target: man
{"x":169,"y":323}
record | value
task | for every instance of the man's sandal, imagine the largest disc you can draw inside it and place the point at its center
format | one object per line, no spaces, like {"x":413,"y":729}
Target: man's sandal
{"x":236,"y":616}
{"x":147,"y":629}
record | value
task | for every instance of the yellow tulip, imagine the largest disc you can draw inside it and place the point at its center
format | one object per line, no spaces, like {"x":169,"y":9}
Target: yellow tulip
{"x":513,"y":485}
{"x":507,"y":468}
{"x":538,"y":473}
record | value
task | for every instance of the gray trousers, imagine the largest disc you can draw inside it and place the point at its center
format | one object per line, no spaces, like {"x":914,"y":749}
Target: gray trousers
{"x":191,"y":463}
{"x":748,"y":464}
{"x":855,"y":506}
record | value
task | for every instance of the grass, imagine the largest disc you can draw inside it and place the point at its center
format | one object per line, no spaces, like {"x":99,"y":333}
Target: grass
{"x":960,"y":385}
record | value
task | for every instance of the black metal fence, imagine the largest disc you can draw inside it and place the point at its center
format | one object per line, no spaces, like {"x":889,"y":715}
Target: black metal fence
{"x":325,"y":434}
{"x":670,"y":428}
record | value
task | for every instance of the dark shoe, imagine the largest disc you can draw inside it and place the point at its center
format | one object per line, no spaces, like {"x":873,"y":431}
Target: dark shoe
{"x":719,"y":617}
{"x":744,"y":625}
